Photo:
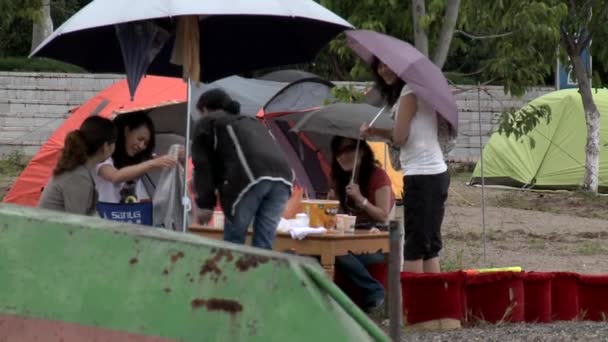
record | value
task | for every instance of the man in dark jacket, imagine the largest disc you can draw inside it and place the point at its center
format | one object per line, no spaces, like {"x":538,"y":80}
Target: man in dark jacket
{"x":236,"y":158}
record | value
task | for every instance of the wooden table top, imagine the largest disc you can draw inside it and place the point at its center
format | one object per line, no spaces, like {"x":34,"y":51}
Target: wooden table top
{"x":358,"y":234}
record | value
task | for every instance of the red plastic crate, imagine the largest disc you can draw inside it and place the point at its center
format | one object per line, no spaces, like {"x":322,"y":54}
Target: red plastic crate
{"x":537,"y":297}
{"x":495,"y":297}
{"x":593,"y":297}
{"x":565,"y":304}
{"x":432,"y":296}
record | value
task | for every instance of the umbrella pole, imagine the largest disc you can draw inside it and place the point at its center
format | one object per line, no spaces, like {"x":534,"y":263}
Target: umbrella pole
{"x":483,"y":197}
{"x":185,"y":196}
{"x":352,"y":177}
{"x":377,"y":116}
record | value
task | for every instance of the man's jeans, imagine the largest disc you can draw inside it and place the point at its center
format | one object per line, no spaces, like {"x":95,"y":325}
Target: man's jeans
{"x":263,"y":204}
{"x":353,"y":268}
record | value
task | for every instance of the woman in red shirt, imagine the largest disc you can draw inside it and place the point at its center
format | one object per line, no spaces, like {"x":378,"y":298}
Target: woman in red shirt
{"x":370,"y":197}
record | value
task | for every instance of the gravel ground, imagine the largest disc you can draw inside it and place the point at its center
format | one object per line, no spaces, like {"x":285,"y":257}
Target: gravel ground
{"x":562,"y":331}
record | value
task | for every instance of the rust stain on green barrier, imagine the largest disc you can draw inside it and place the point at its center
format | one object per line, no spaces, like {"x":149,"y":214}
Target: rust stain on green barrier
{"x":210,"y":265}
{"x":175,"y":257}
{"x":217,"y":304}
{"x":250,"y":261}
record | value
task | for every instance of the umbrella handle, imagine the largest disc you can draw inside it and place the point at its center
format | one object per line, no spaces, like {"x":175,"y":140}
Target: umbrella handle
{"x":377,"y":116}
{"x":352,"y":177}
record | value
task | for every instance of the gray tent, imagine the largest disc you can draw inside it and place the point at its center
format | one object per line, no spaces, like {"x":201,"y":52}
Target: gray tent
{"x":265,"y":99}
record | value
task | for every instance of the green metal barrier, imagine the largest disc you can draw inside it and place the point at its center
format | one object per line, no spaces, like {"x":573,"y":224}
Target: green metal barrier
{"x":72,"y":278}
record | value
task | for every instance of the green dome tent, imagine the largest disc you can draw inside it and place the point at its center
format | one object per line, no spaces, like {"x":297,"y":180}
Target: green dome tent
{"x":557,"y":160}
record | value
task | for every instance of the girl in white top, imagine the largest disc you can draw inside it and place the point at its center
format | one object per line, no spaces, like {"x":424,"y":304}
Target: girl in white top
{"x":118,"y":179}
{"x":426,"y":180}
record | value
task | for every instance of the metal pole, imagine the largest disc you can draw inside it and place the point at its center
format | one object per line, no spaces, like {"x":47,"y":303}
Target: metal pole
{"x":185,"y":197}
{"x":394,"y":281}
{"x":352,"y":178}
{"x":483,"y":183}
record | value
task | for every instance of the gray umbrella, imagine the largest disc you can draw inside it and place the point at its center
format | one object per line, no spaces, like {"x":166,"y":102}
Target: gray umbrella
{"x":343,"y":119}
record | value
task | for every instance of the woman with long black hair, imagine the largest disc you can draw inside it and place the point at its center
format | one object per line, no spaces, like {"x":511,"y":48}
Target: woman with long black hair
{"x":370,"y":198}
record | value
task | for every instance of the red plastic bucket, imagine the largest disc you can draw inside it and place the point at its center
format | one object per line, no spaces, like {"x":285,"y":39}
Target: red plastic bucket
{"x":593,"y":297}
{"x":564,"y":296}
{"x":432,"y":296}
{"x":537,"y":297}
{"x":495,"y":297}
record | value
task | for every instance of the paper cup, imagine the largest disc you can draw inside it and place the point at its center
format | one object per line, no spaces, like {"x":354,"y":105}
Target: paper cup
{"x":349,"y":223}
{"x":341,"y":223}
{"x":218,"y":219}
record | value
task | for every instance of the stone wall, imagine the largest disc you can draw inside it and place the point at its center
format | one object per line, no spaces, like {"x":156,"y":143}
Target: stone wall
{"x":33,"y":105}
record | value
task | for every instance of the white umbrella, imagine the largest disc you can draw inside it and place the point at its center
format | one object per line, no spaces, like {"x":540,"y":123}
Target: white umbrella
{"x":232,"y":37}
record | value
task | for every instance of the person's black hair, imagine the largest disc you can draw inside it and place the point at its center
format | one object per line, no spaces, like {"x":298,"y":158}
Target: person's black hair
{"x":217,"y":99}
{"x":390,"y":93}
{"x":341,"y":178}
{"x":132,"y":121}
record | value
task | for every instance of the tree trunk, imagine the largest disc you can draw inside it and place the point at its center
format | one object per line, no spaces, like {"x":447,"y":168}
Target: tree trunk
{"x":447,"y":32}
{"x":43,"y":24}
{"x":420,"y":38}
{"x":592,"y":116}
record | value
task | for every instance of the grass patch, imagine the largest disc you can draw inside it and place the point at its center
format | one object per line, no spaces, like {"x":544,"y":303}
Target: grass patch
{"x":12,"y":164}
{"x":537,"y":244}
{"x":457,"y":260}
{"x":24,"y":64}
{"x":590,"y":248}
{"x":453,"y":262}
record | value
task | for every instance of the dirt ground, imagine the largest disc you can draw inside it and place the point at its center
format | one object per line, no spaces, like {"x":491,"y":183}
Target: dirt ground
{"x":565,"y":231}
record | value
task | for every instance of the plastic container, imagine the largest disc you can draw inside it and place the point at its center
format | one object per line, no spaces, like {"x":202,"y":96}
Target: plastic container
{"x":495,"y":297}
{"x":218,"y":219}
{"x":432,"y":296}
{"x":537,"y":297}
{"x":174,"y":151}
{"x":565,"y":304}
{"x":322,"y":213}
{"x":593,"y":297}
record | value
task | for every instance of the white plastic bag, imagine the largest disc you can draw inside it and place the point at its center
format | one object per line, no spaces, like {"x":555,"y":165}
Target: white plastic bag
{"x":168,"y":210}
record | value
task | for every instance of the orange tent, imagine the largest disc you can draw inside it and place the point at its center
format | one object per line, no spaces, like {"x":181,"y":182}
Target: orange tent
{"x":151,"y":91}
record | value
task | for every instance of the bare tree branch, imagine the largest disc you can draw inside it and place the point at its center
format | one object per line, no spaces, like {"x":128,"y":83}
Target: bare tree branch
{"x":479,"y":37}
{"x":567,"y":40}
{"x":476,"y":72}
{"x":447,"y":32}
{"x":460,"y":89}
{"x":420,"y":38}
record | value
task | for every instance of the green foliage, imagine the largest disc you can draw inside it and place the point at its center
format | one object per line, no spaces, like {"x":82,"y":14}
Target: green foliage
{"x":520,"y":122}
{"x":13,"y":163}
{"x":389,"y":16}
{"x":37,"y":65}
{"x":346,"y":94}
{"x":17,"y":16}
{"x":520,"y":39}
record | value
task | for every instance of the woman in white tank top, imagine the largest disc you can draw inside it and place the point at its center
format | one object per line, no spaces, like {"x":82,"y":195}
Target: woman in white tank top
{"x":426,"y":180}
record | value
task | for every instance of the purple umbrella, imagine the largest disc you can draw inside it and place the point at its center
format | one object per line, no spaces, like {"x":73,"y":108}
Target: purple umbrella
{"x":424,"y":77}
